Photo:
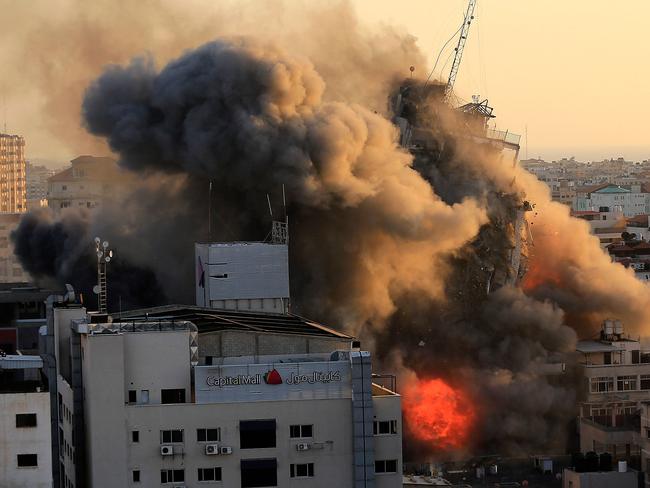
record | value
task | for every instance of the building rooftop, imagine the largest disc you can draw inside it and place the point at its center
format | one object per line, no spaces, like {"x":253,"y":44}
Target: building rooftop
{"x":212,"y":320}
{"x":594,"y":346}
{"x":24,"y":292}
{"x":19,"y":361}
{"x":612,"y":189}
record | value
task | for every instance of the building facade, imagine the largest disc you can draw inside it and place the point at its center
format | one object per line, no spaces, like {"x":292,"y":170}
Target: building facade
{"x":631,"y":201}
{"x":25,"y":440}
{"x":243,"y":276}
{"x":12,"y":174}
{"x":617,"y":377}
{"x":206,"y":396}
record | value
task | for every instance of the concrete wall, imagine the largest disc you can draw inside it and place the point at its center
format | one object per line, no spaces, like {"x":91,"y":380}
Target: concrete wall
{"x":388,"y":446}
{"x":331,"y":450}
{"x":25,"y":440}
{"x":225,"y":344}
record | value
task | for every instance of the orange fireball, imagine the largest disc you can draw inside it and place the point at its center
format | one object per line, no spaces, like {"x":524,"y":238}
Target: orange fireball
{"x":438,"y":414}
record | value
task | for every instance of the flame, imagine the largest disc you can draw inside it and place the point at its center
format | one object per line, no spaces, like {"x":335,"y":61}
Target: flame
{"x":438,"y":414}
{"x":538,"y":275}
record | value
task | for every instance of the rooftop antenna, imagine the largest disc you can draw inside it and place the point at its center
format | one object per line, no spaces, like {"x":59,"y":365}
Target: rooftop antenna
{"x":210,"y":212}
{"x":284,"y":204}
{"x":104,"y":256}
{"x":268,"y":199}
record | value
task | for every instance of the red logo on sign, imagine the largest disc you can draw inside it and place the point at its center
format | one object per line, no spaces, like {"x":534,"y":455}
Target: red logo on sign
{"x":273,"y":377}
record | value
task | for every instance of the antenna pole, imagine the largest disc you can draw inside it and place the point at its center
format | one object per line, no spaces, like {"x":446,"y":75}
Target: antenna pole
{"x":268,"y":199}
{"x":104,"y":256}
{"x":210,"y":212}
{"x":284,"y":204}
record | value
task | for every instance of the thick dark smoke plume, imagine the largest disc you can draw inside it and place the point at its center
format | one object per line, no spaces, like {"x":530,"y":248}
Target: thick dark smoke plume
{"x":399,"y":251}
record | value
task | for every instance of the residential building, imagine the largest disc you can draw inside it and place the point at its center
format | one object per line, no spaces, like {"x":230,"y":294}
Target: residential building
{"x":617,"y":375}
{"x":631,"y":201}
{"x":85,"y":184}
{"x":25,"y":440}
{"x":36,"y":185}
{"x":12,"y":174}
{"x":11,"y":271}
{"x":639,"y":227}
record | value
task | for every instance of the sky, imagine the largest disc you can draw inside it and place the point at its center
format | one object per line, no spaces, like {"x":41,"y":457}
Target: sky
{"x":570,"y":76}
{"x":574,"y":73}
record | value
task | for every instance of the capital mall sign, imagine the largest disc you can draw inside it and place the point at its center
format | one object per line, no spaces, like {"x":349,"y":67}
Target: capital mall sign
{"x":273,"y":377}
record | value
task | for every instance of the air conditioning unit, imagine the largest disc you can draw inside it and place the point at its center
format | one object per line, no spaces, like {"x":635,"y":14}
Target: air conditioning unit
{"x":226,"y":450}
{"x":166,"y":450}
{"x":303,"y":446}
{"x":212,"y":449}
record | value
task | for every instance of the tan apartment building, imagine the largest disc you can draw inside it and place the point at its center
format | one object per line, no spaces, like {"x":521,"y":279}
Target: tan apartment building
{"x":617,"y":378}
{"x":85,"y":184}
{"x":12,"y":174}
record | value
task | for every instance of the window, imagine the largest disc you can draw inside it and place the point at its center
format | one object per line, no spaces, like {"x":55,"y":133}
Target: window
{"x":600,"y":384}
{"x":136,"y":475}
{"x":645,"y":381}
{"x":176,"y":395}
{"x":25,"y":420}
{"x":27,"y":460}
{"x":135,"y":436}
{"x":172,"y":475}
{"x":385,"y":427}
{"x":626,"y":383}
{"x":169,"y":436}
{"x":298,"y":431}
{"x":208,"y":435}
{"x":386,"y":466}
{"x":254,"y":434}
{"x":259,"y":472}
{"x":302,"y":470}
{"x":209,"y":474}
{"x":132,"y":396}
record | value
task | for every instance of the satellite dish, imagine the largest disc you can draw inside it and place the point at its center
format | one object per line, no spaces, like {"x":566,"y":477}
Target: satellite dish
{"x":108,"y":259}
{"x":97,"y":240}
{"x":96,"y":289}
{"x":105,"y":244}
{"x":99,"y":254}
{"x":412,"y":69}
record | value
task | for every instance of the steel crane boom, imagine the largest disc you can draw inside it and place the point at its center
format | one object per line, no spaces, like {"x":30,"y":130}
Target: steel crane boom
{"x":458,"y":56}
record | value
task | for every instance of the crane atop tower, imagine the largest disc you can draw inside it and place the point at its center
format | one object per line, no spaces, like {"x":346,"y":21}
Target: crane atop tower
{"x":458,"y":55}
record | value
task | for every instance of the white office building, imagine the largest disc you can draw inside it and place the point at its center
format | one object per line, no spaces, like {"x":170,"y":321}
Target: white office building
{"x":188,"y":396}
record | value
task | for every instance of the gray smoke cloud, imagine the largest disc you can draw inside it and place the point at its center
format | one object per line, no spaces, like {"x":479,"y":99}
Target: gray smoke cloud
{"x":398,"y":249}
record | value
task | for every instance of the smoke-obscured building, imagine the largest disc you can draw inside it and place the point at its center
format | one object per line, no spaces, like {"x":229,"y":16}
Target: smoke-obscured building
{"x":11,"y":271}
{"x":608,"y":224}
{"x":12,"y":174}
{"x":86,"y":184}
{"x":25,"y":434}
{"x":36,"y":185}
{"x":617,"y":377}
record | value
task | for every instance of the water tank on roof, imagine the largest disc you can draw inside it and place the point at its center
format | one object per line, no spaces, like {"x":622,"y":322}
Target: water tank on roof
{"x":608,"y":327}
{"x":622,"y":466}
{"x":618,"y":327}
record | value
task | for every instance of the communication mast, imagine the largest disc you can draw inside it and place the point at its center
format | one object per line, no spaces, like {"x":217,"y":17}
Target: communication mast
{"x":458,"y":56}
{"x":104,"y":256}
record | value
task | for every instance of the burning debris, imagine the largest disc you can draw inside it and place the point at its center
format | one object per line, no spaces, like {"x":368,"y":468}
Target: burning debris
{"x":417,"y":248}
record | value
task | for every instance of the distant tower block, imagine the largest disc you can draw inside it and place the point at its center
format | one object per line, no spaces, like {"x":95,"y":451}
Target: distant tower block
{"x":244,"y":275}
